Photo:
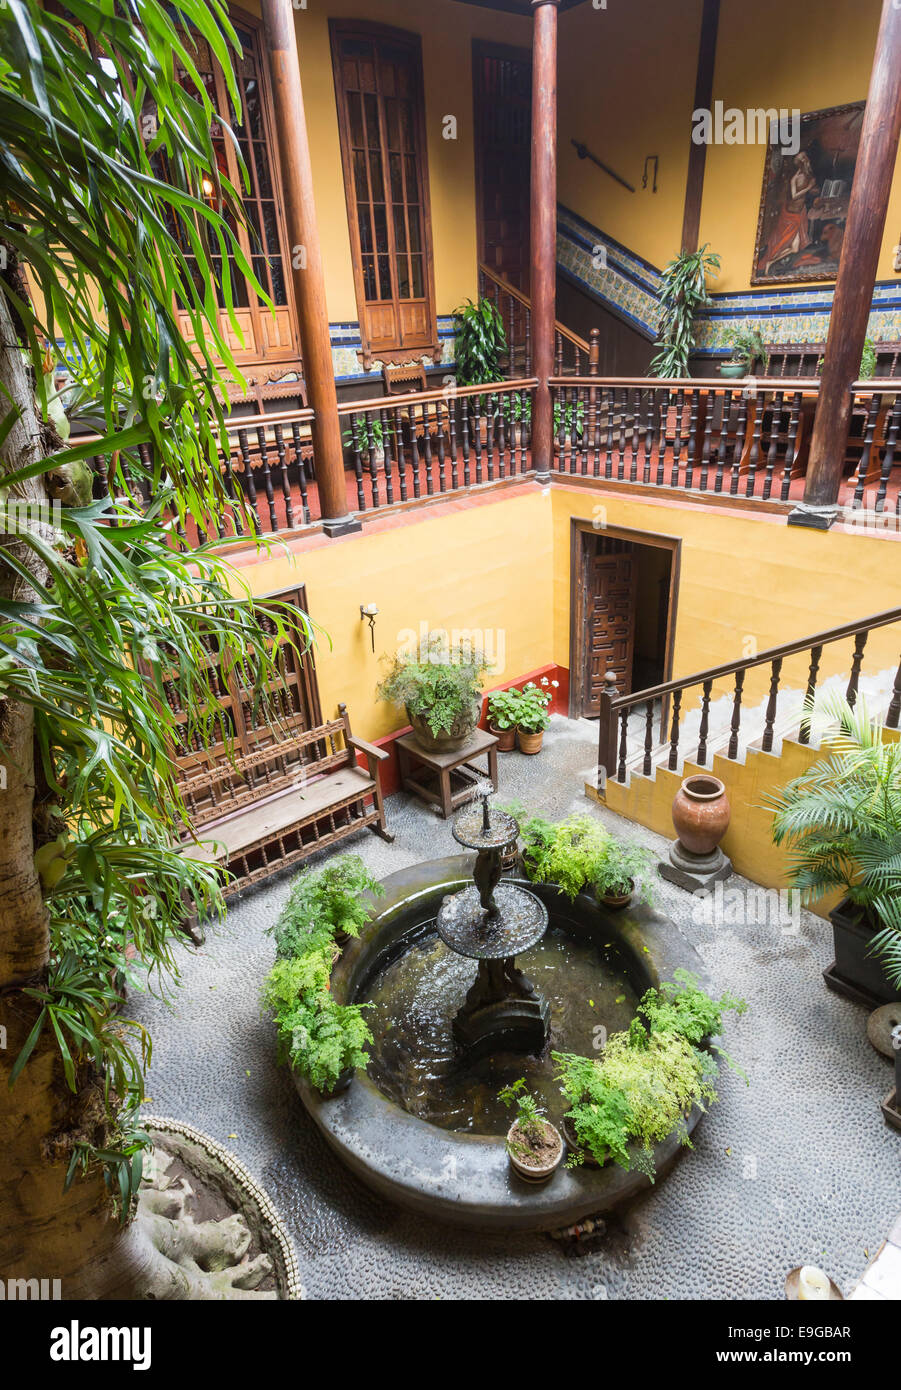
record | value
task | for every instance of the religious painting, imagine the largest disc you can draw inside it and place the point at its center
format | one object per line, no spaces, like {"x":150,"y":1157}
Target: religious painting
{"x":806,"y":191}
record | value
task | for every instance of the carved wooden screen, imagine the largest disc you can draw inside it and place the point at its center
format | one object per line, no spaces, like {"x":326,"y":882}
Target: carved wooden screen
{"x":378,"y":82}
{"x":503,"y":111}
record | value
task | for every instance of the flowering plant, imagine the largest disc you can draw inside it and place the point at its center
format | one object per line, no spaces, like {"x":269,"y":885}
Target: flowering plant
{"x":531,"y":713}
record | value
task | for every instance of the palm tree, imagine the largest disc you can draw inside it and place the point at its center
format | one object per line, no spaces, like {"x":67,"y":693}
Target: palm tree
{"x":842,"y":822}
{"x":105,"y":144}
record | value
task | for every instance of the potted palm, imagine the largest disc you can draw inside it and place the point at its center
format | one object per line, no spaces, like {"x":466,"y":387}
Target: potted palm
{"x":441,"y":690}
{"x":534,"y":1145}
{"x":841,"y":821}
{"x":683,"y":293}
{"x":531,"y":716}
{"x":503,"y":709}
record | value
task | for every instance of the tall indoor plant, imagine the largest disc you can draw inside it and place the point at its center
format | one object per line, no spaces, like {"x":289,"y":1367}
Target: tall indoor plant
{"x":841,"y":822}
{"x":683,"y":293}
{"x":95,"y":592}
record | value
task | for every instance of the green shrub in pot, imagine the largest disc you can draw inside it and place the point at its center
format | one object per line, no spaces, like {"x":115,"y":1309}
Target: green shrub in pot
{"x":532,"y":716}
{"x":503,"y":708}
{"x":441,"y":689}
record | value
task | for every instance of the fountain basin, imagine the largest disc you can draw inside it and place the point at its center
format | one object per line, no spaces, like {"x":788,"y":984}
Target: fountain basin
{"x":466,"y":1178}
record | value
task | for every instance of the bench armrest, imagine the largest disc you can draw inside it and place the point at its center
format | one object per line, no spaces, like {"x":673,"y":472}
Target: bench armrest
{"x":368,"y":749}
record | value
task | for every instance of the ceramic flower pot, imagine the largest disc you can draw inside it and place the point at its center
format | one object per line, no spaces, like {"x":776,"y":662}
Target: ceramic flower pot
{"x":534,"y":1168}
{"x":529,"y":743}
{"x":733,"y":369}
{"x":618,"y":900}
{"x":506,"y":738}
{"x":701,"y":813}
{"x":448,"y":740}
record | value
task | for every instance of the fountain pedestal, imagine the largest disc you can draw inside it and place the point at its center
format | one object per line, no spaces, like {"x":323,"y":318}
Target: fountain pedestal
{"x":493,"y":923}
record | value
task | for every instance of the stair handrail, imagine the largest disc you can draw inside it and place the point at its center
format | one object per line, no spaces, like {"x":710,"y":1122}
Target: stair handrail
{"x":613,"y":704}
{"x":581,"y":343}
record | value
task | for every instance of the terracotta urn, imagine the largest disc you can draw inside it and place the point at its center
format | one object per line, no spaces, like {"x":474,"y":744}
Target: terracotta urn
{"x":506,"y":738}
{"x":701,"y":813}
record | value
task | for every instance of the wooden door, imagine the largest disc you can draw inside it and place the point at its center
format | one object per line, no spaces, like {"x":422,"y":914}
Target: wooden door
{"x":610,"y":611}
{"x":503,"y":125}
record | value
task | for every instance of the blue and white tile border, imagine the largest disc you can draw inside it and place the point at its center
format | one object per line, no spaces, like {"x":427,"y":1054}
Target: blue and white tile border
{"x":629,"y":287}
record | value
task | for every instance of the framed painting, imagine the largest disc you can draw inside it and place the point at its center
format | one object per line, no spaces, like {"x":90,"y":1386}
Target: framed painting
{"x":804,"y":203}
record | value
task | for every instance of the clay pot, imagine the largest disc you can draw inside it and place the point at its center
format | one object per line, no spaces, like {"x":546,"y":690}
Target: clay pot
{"x":532,"y":1173}
{"x":529,"y":743}
{"x":617,"y":900}
{"x":506,"y":738}
{"x":701,"y":813}
{"x":457,"y":736}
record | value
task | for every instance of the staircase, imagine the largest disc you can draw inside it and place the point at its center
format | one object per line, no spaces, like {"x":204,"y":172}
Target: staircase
{"x":650,"y":740}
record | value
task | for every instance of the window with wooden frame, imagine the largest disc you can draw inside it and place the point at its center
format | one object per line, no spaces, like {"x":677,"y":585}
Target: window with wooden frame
{"x":381,"y":116}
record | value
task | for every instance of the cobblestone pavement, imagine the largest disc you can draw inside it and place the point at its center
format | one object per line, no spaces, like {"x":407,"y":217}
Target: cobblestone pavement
{"x":796,"y":1167}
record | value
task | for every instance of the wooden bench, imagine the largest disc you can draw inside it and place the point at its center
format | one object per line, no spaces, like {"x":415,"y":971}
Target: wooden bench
{"x":273,"y":807}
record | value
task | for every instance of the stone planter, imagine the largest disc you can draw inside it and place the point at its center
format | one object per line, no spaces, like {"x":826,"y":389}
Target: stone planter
{"x":529,"y":743}
{"x":449,"y":740}
{"x":854,"y":972}
{"x":733,"y":369}
{"x":506,"y":738}
{"x":534,"y":1172}
{"x":701,"y":813}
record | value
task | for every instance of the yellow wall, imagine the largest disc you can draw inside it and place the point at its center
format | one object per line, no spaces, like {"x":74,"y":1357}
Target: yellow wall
{"x":626,"y":90}
{"x":467,"y":567}
{"x":503,"y":563}
{"x":746,"y":584}
{"x":447,"y":31}
{"x":807,"y":54}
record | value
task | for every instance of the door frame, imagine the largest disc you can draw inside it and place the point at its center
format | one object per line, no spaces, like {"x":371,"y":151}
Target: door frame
{"x":482,"y":48}
{"x":578,"y":633}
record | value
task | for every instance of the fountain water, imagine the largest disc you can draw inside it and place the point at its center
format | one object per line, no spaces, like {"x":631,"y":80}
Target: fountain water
{"x":492,"y":923}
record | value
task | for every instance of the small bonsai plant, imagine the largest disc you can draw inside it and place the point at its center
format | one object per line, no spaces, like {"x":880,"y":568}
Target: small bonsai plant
{"x":747,"y":348}
{"x":534,"y":1145}
{"x":441,"y":690}
{"x":841,"y":821}
{"x":683,"y":293}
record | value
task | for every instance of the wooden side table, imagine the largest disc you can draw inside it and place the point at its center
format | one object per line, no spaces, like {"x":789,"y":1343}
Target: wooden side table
{"x":445,"y":780}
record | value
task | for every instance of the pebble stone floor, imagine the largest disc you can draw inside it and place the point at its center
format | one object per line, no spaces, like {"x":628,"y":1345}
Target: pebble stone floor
{"x":797,"y":1167}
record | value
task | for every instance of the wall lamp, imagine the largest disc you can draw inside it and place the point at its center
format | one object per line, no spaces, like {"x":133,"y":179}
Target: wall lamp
{"x":369,"y":611}
{"x":651,"y":159}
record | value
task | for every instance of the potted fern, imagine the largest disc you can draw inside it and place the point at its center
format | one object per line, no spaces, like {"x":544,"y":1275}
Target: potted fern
{"x":441,"y":690}
{"x":534,"y":1145}
{"x":841,"y":821}
{"x":683,"y":293}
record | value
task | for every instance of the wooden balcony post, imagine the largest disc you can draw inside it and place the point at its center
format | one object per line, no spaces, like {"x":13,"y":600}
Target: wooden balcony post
{"x":856,"y":276}
{"x":306,"y":263}
{"x":607,"y":731}
{"x":543,"y":228}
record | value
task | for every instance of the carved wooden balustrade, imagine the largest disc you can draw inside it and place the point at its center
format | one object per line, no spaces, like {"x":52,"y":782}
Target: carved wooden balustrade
{"x":572,"y":355}
{"x":669,"y":703}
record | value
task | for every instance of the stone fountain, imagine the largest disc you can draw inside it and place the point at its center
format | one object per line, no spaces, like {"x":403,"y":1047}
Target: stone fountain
{"x":493,"y":922}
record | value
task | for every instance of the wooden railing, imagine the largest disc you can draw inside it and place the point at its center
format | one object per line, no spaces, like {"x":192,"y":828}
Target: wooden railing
{"x":572,"y":354}
{"x":398,"y":449}
{"x":745,"y":438}
{"x":613,"y":733}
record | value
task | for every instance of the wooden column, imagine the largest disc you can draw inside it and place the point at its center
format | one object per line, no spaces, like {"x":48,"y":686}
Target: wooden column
{"x":697,"y":153}
{"x":544,"y":227}
{"x":306,"y":263}
{"x":856,"y":276}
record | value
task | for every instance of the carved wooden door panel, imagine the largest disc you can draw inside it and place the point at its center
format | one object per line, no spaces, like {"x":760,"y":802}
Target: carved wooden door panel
{"x":610,"y":641}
